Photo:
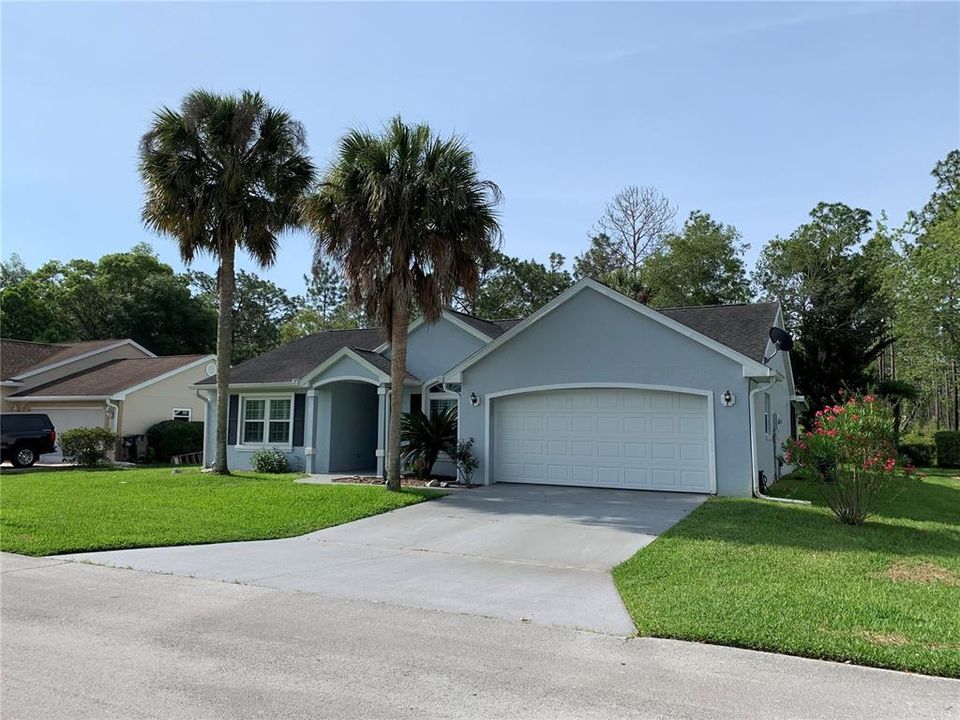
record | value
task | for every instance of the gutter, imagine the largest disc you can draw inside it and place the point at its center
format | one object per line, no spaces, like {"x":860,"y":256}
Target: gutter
{"x":755,"y":484}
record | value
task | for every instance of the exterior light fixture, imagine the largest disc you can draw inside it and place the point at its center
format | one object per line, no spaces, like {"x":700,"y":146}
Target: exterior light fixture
{"x":474,"y":399}
{"x":728,"y":398}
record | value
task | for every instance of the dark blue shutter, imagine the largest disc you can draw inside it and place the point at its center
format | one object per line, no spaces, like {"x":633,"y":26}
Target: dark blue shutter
{"x":299,"y":405}
{"x":232,"y":413}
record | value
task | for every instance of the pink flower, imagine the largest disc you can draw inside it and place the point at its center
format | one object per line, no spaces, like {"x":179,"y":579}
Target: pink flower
{"x":889,"y":465}
{"x":869,"y":398}
{"x":809,"y":433}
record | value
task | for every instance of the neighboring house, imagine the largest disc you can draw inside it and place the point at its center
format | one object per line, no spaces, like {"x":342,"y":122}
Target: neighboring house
{"x":592,"y":389}
{"x":115,"y":384}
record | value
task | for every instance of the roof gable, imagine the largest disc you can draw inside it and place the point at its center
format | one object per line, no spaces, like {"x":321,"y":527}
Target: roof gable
{"x":293,"y":361}
{"x":23,"y":358}
{"x":752,"y":367}
{"x":113,"y":377}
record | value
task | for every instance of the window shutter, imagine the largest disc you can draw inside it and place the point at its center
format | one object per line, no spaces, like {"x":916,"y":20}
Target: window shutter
{"x":232,"y":413}
{"x":416,"y":403}
{"x":299,"y":405}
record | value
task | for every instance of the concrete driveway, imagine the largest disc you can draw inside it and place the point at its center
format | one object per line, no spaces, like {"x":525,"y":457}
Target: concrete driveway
{"x":539,"y":554}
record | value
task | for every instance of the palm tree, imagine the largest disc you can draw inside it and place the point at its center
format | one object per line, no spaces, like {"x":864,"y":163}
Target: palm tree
{"x":224,"y":172}
{"x":426,"y":436}
{"x":408,"y":217}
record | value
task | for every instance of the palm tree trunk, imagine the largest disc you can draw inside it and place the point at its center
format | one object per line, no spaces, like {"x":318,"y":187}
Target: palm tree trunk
{"x":225,"y":289}
{"x":398,"y":372}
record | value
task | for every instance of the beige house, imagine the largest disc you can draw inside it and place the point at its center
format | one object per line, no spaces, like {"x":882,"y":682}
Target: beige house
{"x":115,"y":384}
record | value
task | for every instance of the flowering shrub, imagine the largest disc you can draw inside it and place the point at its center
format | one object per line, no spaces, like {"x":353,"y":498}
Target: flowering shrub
{"x":850,"y":453}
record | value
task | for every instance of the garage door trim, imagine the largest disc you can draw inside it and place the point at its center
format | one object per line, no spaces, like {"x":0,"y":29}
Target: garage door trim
{"x":708,"y":394}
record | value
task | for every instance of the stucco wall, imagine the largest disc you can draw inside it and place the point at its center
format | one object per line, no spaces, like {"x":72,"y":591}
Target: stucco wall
{"x":767,"y":451}
{"x":593,"y":339}
{"x":5,"y":405}
{"x":433,"y":349}
{"x":238,"y":456}
{"x":155,"y":403}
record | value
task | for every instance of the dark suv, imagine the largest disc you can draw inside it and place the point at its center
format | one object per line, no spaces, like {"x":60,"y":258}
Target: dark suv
{"x":25,"y":437}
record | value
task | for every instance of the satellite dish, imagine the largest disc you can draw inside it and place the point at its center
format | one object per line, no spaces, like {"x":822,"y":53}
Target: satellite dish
{"x":781,"y":341}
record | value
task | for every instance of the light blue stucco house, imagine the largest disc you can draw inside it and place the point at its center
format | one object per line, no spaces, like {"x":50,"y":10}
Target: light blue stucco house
{"x":593,"y":389}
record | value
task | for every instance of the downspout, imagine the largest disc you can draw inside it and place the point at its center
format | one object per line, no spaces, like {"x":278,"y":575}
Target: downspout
{"x":114,"y":412}
{"x":753,"y":451}
{"x":115,"y":419}
{"x":206,"y":413}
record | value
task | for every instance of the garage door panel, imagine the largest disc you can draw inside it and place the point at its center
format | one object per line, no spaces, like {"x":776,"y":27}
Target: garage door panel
{"x":607,"y":437}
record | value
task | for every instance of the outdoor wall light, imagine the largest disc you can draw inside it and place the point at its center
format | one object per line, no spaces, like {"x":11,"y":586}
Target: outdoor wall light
{"x":474,"y":399}
{"x":728,"y":398}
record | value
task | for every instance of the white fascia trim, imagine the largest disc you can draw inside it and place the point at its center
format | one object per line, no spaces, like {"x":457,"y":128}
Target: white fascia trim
{"x":751,"y":368}
{"x":122,"y":395}
{"x":58,"y":398}
{"x":81,"y":356}
{"x":275,"y":385}
{"x":11,"y":383}
{"x":447,"y":315}
{"x":339,"y":355}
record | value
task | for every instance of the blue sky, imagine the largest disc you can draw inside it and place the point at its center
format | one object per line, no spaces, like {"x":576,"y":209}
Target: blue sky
{"x":752,"y":112}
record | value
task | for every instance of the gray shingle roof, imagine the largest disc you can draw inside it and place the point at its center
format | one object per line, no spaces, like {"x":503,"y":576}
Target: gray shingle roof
{"x":295,"y":359}
{"x":379,"y":361}
{"x":490,"y":328}
{"x":111,"y":377}
{"x":743,"y":327}
{"x":740,"y":327}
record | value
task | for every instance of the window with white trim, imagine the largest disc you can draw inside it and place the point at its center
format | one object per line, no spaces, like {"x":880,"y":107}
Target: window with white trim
{"x":767,"y":420}
{"x":182,"y":414}
{"x":441,"y":404}
{"x":267,"y":421}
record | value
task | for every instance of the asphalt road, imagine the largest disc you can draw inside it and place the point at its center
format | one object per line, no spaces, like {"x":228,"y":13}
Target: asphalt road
{"x":82,"y":641}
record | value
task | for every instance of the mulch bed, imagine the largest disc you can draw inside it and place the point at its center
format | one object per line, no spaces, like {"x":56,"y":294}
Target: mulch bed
{"x":404,"y":482}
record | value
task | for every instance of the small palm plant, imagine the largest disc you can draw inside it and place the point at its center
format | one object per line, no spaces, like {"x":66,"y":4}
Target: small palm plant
{"x":426,"y":436}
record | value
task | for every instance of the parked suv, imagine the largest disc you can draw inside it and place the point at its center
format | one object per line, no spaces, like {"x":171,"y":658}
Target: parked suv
{"x":26,"y":436}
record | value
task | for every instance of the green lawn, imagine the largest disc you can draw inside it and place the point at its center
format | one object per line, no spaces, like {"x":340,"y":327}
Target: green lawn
{"x":791,"y":579}
{"x":50,"y":512}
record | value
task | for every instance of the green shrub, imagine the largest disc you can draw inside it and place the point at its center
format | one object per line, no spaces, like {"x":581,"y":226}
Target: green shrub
{"x":88,"y":447}
{"x":920,"y":454}
{"x":466,"y":462}
{"x":269,"y":461}
{"x":948,"y":448}
{"x":175,"y":437}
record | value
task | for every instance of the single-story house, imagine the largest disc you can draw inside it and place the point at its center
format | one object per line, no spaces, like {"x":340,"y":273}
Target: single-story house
{"x":592,"y":389}
{"x":114,"y":384}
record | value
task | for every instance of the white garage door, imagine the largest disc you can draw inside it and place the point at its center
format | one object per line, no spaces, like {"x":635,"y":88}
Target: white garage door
{"x":603,"y":437}
{"x":69,"y":418}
